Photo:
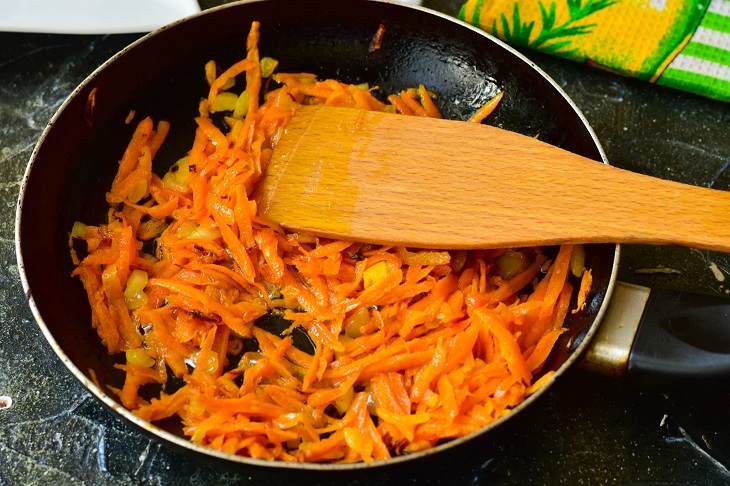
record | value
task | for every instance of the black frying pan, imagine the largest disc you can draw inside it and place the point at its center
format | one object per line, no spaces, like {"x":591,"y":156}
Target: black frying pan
{"x":162,"y":76}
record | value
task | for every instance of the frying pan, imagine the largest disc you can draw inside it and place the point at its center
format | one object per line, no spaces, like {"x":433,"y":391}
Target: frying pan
{"x":161,"y":76}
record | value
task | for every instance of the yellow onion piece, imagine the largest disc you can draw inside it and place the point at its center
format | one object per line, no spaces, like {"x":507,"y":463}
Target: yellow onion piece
{"x":355,"y":321}
{"x":342,"y":404}
{"x":374,"y":274}
{"x":137,"y":191}
{"x":578,"y":260}
{"x":225,"y":101}
{"x":134,"y":295}
{"x":179,"y":176}
{"x":511,"y":263}
{"x":78,"y":230}
{"x":139,"y":357}
{"x":268,"y":64}
{"x":240,"y":109}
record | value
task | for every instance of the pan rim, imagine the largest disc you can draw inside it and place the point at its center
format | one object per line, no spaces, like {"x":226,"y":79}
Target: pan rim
{"x":183,"y":443}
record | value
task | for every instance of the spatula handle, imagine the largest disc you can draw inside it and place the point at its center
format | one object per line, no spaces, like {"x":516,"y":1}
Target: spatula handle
{"x":600,"y":203}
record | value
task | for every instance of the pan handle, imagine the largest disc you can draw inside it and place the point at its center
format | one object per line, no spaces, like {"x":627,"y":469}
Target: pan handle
{"x":665,"y":338}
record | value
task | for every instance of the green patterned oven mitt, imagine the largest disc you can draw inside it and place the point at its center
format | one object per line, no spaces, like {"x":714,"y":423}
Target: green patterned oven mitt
{"x":684,"y":44}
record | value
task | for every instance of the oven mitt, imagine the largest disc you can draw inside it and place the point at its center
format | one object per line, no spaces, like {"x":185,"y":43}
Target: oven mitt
{"x":683,"y":44}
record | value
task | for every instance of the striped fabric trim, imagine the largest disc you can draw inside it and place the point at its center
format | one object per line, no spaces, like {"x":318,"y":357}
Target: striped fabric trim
{"x":703,"y":65}
{"x":700,"y":66}
{"x":711,"y":37}
{"x":708,"y":53}
{"x":715,"y":21}
{"x":721,"y":8}
{"x":697,"y":83}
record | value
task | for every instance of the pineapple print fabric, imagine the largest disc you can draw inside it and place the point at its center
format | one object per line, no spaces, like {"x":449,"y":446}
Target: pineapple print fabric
{"x":683,"y":44}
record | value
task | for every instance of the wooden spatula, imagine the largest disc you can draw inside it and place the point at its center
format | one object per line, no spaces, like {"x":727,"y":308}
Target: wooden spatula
{"x":427,"y":183}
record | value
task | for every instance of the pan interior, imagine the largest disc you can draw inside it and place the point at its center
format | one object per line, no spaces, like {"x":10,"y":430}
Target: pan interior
{"x":162,"y":76}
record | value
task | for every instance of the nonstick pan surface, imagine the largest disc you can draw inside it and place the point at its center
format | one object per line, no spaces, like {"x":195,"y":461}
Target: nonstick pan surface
{"x":162,"y":76}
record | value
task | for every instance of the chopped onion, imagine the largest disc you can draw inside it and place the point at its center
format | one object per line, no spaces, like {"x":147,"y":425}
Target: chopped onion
{"x":578,"y":260}
{"x":138,"y":357}
{"x":211,"y":364}
{"x":78,"y":230}
{"x":225,"y":101}
{"x":134,"y":295}
{"x":137,"y":191}
{"x":179,"y":176}
{"x":250,"y":359}
{"x":342,"y":404}
{"x":204,"y":233}
{"x":355,"y":321}
{"x":375,"y":274}
{"x":511,"y":263}
{"x":268,"y":64}
{"x":241,"y":107}
{"x":458,"y":259}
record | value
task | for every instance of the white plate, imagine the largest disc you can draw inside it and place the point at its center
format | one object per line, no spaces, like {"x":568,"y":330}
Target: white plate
{"x":92,"y":16}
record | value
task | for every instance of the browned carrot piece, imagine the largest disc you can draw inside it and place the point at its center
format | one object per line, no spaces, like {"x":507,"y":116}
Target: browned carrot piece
{"x":557,"y":280}
{"x":487,"y":108}
{"x":400,"y":105}
{"x":586,"y":282}
{"x":227,"y":75}
{"x":413,"y":104}
{"x":427,"y":102}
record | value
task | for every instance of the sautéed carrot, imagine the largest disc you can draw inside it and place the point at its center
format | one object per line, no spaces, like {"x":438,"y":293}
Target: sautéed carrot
{"x":409,"y":348}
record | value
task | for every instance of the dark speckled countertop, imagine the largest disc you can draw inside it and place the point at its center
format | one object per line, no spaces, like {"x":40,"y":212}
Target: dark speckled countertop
{"x":586,"y":430}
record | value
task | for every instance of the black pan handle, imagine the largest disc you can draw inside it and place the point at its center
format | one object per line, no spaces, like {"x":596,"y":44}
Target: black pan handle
{"x":683,"y":339}
{"x":664,"y":338}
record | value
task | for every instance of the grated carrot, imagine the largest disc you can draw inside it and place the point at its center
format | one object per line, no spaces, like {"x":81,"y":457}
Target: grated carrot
{"x":410,"y":347}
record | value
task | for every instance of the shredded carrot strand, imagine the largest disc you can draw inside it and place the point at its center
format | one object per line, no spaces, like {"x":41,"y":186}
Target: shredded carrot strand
{"x":487,"y":108}
{"x":586,"y":283}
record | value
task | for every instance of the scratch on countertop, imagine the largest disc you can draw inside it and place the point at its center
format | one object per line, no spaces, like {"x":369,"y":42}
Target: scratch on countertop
{"x":684,"y":146}
{"x":610,"y":92}
{"x":8,"y":153}
{"x":658,"y":269}
{"x":33,"y":52}
{"x":143,"y":458}
{"x":719,"y":173}
{"x":688,"y":439}
{"x":101,"y":453}
{"x":25,"y":469}
{"x":55,"y":439}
